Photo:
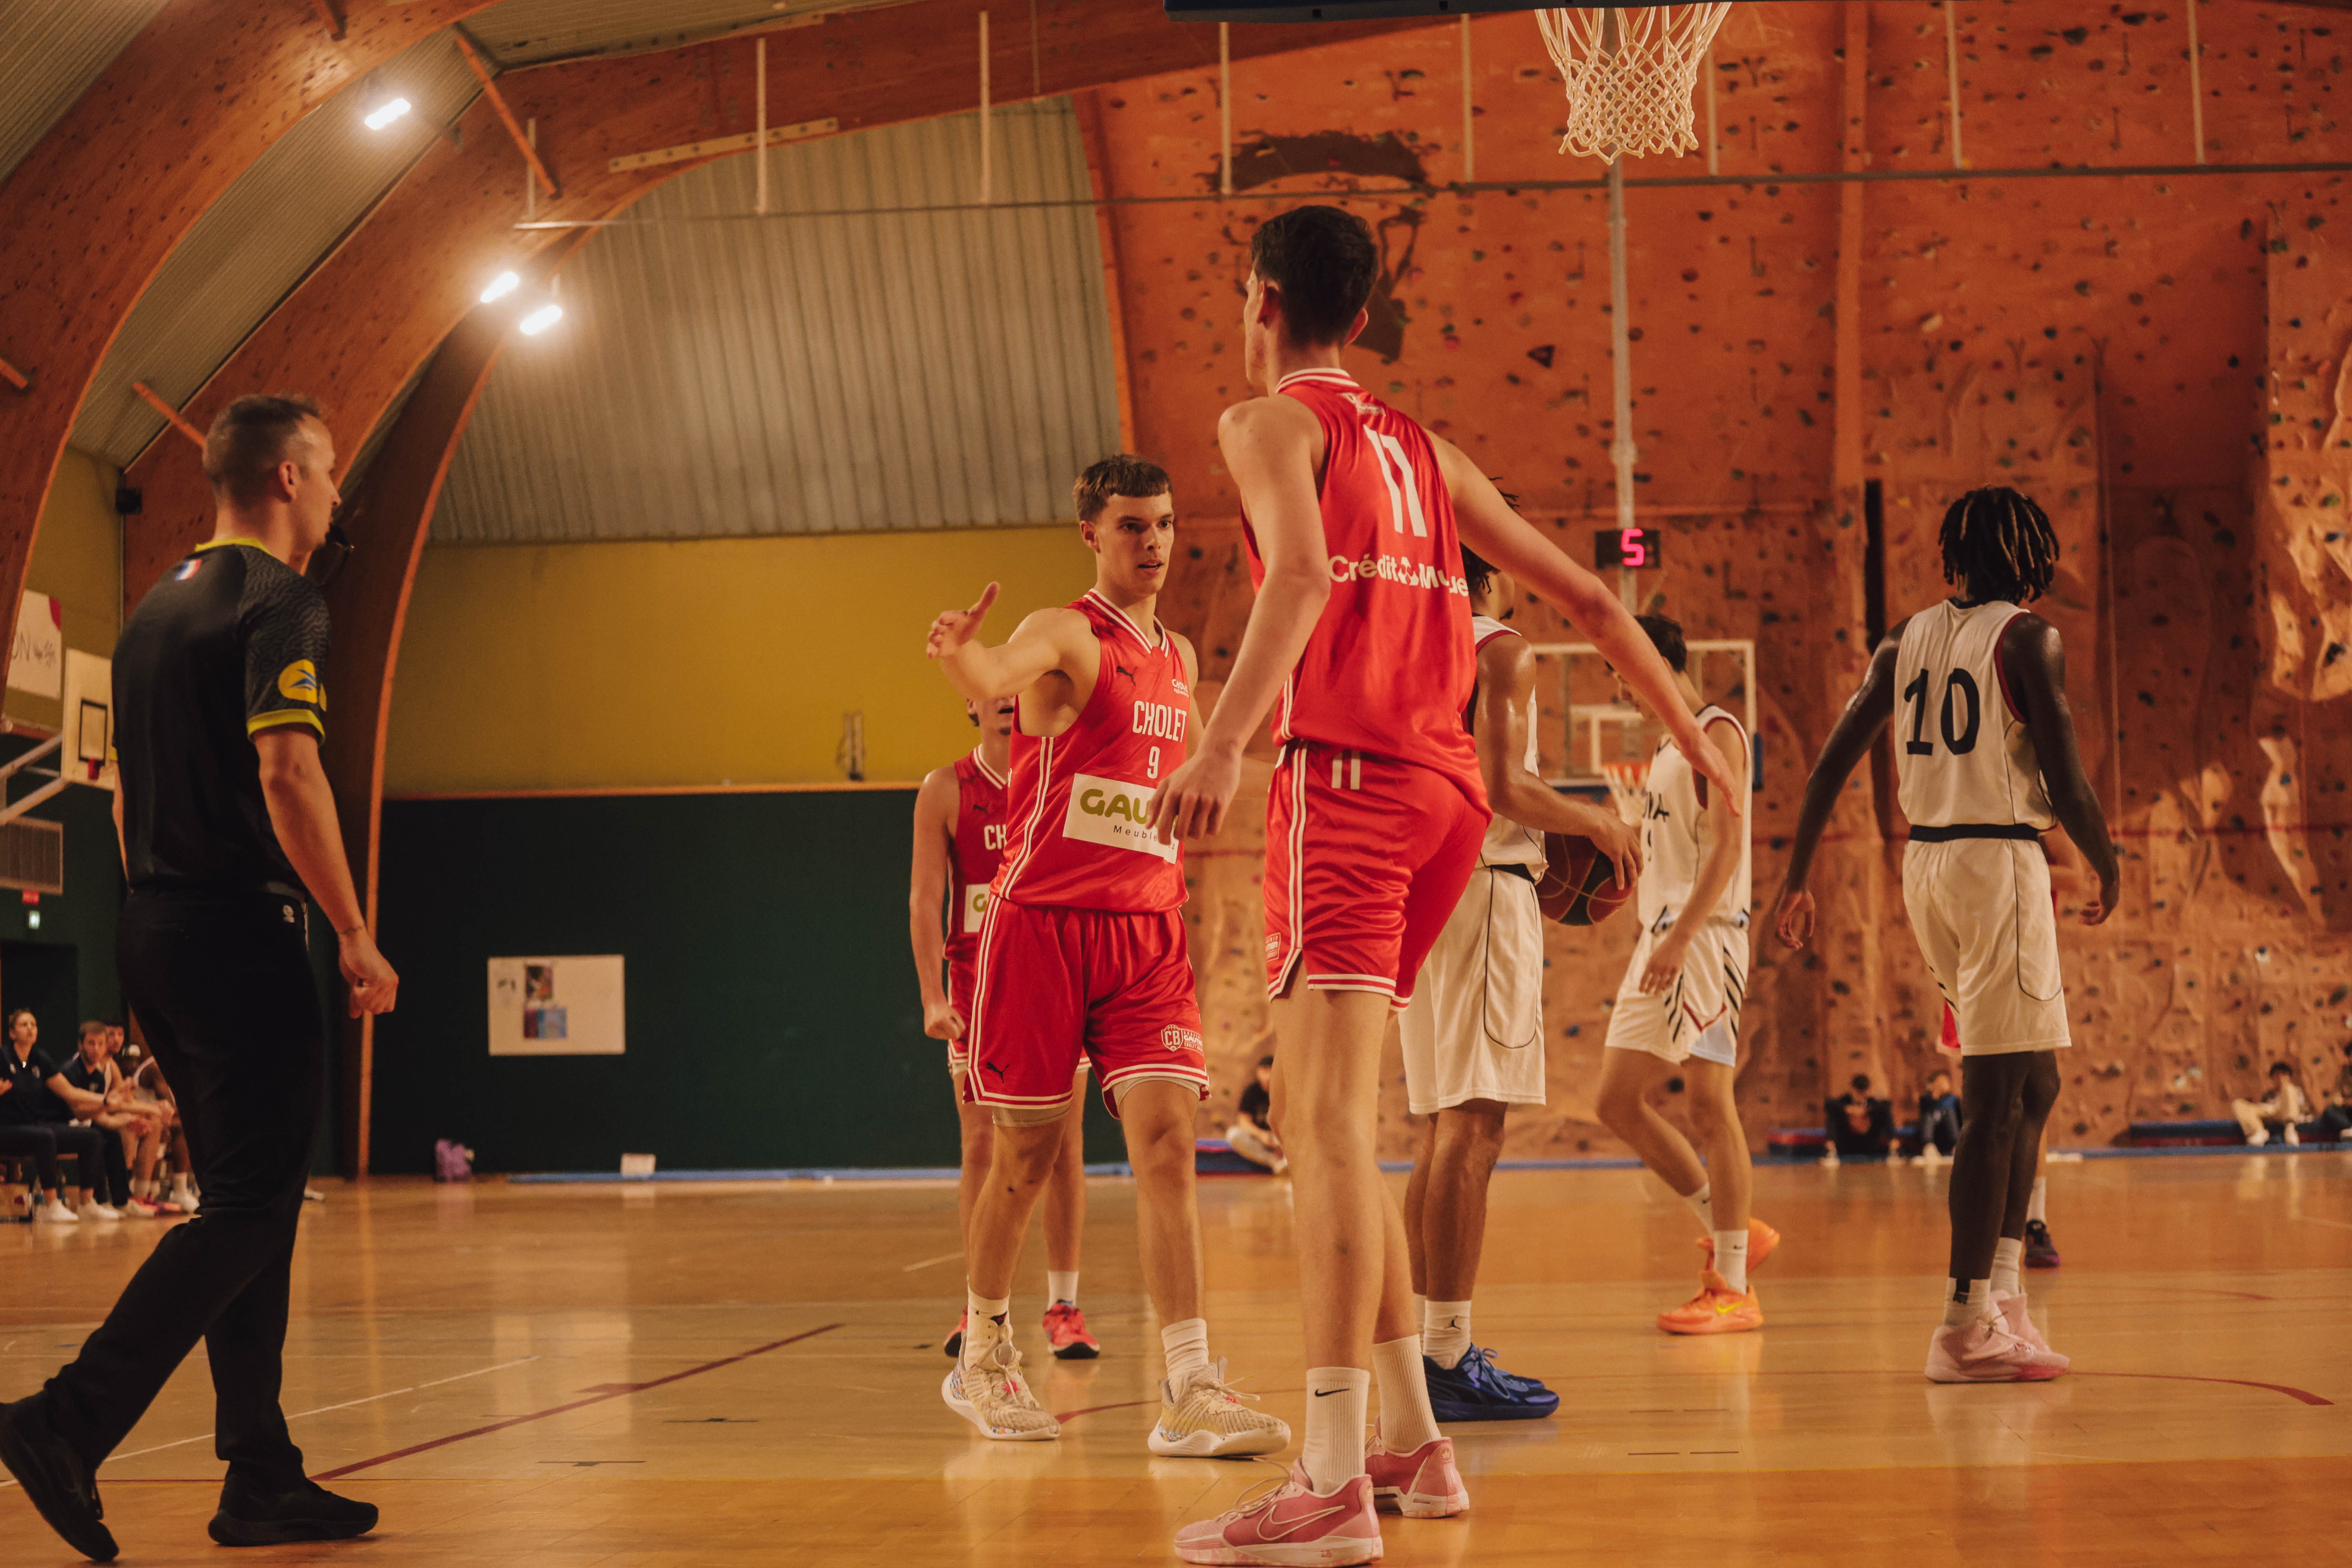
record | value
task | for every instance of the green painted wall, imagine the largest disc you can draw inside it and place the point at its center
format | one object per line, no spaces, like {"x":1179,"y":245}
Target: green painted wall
{"x":773,"y":1014}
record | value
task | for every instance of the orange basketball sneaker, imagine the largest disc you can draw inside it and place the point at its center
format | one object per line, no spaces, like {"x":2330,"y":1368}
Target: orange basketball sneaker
{"x":1717,"y":1309}
{"x":1066,"y":1332}
{"x":1762,"y":1240}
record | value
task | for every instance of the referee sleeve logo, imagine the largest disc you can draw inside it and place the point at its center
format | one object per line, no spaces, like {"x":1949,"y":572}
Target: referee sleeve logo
{"x":300,"y":682}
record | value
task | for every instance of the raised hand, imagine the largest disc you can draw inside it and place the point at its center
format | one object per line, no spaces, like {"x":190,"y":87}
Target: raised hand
{"x":954,"y":628}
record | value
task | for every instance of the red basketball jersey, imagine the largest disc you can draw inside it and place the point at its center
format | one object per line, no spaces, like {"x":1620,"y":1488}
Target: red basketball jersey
{"x":974,"y":851}
{"x":1391,"y":665}
{"x":1077,"y":808}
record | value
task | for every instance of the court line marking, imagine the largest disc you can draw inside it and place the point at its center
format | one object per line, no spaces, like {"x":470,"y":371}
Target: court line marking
{"x":322,"y":1410}
{"x":2308,"y":1398}
{"x":621,"y":1392}
{"x":933,"y":1262}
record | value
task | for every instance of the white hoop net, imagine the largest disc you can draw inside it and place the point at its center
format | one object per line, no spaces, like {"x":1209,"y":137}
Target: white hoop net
{"x":1630,"y":72}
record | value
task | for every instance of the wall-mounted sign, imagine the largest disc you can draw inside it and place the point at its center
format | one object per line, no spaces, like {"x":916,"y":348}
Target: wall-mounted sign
{"x":37,"y":662}
{"x":557,"y":1006}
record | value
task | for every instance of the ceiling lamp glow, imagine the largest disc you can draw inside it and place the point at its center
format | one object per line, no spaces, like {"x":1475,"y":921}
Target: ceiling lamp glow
{"x":386,"y":112}
{"x":539,"y":320}
{"x":504,"y":284}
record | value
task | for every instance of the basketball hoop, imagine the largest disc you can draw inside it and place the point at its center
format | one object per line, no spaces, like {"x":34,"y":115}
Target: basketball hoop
{"x":1625,"y":787}
{"x":1630,"y":72}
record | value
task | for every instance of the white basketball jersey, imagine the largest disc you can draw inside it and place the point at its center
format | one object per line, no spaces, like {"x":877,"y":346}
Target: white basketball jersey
{"x":1671,"y":850}
{"x":1508,"y":843}
{"x":1962,"y":755}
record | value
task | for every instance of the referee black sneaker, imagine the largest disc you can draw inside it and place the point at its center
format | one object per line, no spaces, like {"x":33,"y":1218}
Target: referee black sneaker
{"x":255,"y":1515}
{"x":60,"y":1485}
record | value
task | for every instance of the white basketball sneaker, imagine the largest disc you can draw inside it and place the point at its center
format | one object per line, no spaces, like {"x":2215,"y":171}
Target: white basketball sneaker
{"x":986,"y":1388}
{"x":1985,"y":1350}
{"x":1206,"y":1419}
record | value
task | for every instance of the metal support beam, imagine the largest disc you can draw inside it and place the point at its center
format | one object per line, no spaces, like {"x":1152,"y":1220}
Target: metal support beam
{"x":171,"y":414}
{"x":15,"y":377}
{"x":16,"y":808}
{"x":331,"y":14}
{"x":522,"y":139}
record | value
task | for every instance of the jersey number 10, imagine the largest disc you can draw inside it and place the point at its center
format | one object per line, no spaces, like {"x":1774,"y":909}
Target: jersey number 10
{"x":1960,"y":739}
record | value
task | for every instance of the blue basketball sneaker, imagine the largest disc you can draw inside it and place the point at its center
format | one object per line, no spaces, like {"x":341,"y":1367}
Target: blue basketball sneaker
{"x":1478,"y":1390}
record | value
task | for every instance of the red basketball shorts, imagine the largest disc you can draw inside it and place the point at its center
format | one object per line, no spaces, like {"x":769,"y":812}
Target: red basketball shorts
{"x":962,"y":980}
{"x":1365,"y":858}
{"x":1062,"y":986}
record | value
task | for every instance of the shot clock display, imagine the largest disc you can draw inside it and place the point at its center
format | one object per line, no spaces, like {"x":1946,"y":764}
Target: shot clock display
{"x":1634,"y":547}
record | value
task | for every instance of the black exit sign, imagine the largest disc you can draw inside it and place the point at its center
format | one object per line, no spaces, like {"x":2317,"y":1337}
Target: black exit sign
{"x":1636,"y":547}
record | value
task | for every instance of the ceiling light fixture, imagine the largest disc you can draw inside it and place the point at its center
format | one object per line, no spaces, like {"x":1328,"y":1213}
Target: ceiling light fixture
{"x":504,"y":284}
{"x":386,"y":112}
{"x":539,"y":320}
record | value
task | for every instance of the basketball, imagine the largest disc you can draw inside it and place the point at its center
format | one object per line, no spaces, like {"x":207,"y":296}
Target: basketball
{"x":1579,"y":887}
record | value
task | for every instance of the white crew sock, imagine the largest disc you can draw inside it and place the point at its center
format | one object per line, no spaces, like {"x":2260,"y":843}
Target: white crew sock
{"x":1406,"y":1420}
{"x":1731,"y":1256}
{"x":1333,"y":1453}
{"x":1702,"y":1202}
{"x":2033,"y":1208}
{"x":2008,"y":1256}
{"x":1186,"y":1346}
{"x":1445,"y":1333}
{"x":1062,"y":1285}
{"x":981,"y":1309}
{"x":1963,"y":1307}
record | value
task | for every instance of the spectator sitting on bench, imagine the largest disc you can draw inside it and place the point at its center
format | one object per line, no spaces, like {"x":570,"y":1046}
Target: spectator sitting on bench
{"x":1939,"y":1114}
{"x":145,"y":1077}
{"x":138,"y":1125}
{"x":37,"y":1107}
{"x":2286,"y":1104}
{"x":1253,"y":1137}
{"x":2336,"y":1118}
{"x":1859,"y":1121}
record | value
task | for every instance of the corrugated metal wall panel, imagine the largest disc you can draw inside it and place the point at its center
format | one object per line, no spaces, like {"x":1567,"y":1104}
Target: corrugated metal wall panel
{"x":535,"y":32}
{"x":50,"y":51}
{"x":722,"y":374}
{"x":281,"y":217}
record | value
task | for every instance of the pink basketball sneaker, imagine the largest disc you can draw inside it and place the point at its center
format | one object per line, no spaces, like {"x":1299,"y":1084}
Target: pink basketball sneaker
{"x":1290,"y":1527}
{"x":2020,"y":1323}
{"x":1422,"y":1484}
{"x":1985,"y":1352}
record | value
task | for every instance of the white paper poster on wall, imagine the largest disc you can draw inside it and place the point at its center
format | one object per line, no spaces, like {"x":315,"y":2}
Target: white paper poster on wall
{"x":37,"y":663}
{"x":557,"y":1006}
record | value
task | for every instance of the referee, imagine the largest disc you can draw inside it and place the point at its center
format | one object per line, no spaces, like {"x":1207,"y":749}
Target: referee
{"x":225,"y":818}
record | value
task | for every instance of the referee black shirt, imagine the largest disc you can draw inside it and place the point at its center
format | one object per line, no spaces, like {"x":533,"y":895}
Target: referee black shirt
{"x":230,"y":642}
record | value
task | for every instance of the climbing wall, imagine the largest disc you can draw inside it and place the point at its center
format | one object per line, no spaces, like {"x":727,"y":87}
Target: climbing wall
{"x":2160,"y":358}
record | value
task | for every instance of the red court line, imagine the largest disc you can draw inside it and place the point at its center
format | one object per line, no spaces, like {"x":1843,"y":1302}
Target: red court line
{"x":619,"y":1391}
{"x":1132,"y":1403}
{"x":2308,"y":1398}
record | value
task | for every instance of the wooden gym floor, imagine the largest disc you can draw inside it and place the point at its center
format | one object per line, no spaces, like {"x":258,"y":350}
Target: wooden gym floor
{"x":722,"y":1376}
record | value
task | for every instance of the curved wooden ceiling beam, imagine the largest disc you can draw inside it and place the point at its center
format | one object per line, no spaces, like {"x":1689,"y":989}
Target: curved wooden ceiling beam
{"x":90,"y":215}
{"x":364,"y":322}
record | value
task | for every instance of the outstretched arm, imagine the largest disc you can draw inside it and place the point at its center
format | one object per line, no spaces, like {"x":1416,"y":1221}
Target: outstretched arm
{"x":1506,"y":679}
{"x":927,"y":889}
{"x":1271,"y":446}
{"x":2033,"y":665}
{"x":1865,"y":715}
{"x":1491,"y":527}
{"x":986,"y":674}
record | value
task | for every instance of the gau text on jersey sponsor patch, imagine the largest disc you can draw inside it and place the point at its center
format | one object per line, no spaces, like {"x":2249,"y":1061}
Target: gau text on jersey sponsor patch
{"x":1112,"y":811}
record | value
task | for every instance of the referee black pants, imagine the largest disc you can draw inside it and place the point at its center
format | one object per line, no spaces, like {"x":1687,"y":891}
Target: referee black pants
{"x":222,"y":984}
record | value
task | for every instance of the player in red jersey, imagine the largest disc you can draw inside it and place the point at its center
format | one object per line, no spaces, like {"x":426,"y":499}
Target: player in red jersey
{"x":958,"y":840}
{"x":1082,"y":957}
{"x":1361,"y":642}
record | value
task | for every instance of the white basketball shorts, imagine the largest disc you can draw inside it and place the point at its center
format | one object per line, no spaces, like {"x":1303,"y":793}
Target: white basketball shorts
{"x":1698,"y":1014}
{"x":1981,"y":911}
{"x":1474,"y":1029}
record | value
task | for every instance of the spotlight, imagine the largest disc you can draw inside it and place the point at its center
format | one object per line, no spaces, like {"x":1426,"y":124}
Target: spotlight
{"x":386,"y":112}
{"x":504,"y":284}
{"x":539,"y":320}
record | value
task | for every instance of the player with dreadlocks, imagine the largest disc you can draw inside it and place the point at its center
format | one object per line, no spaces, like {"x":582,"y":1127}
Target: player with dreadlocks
{"x":1986,"y":762}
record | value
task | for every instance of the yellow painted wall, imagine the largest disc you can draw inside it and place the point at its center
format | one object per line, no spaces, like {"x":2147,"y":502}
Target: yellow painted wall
{"x":76,"y":561}
{"x":698,"y":661}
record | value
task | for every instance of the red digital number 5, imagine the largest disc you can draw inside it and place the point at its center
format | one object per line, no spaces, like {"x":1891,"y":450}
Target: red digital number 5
{"x":1630,"y":550}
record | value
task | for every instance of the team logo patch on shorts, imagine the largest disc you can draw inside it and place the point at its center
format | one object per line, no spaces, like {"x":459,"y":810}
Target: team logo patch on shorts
{"x":1176,"y":1038}
{"x":1273,"y":947}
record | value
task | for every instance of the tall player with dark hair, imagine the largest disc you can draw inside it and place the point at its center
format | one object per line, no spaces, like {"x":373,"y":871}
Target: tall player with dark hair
{"x":1986,"y":761}
{"x":1082,"y":958}
{"x":1361,"y":642}
{"x":227,"y":821}
{"x":959,"y":843}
